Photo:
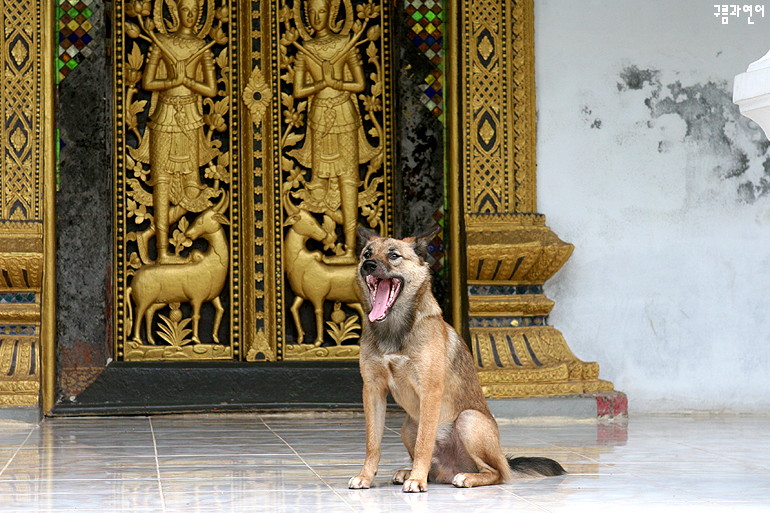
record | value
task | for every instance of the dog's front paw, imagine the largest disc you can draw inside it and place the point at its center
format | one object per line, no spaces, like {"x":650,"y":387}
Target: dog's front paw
{"x":401,"y":476}
{"x":359,"y":482}
{"x":415,"y":485}
{"x":461,"y":481}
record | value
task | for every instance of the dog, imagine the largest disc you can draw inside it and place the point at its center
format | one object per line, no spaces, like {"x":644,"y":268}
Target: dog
{"x":407,"y":349}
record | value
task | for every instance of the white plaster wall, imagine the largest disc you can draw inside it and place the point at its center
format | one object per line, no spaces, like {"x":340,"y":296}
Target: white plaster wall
{"x":659,"y":187}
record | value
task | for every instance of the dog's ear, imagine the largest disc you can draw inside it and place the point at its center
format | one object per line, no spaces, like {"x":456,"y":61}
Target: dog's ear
{"x":364,"y":236}
{"x":420,"y":243}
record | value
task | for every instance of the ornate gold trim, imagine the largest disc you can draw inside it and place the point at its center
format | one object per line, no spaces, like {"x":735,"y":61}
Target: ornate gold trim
{"x":48,"y":143}
{"x":27,"y":206}
{"x":456,"y":249}
{"x":19,"y":371}
{"x":516,"y":306}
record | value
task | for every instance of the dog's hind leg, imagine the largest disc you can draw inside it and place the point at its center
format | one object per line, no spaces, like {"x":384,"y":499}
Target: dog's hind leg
{"x":479,"y":435}
{"x":409,"y":437}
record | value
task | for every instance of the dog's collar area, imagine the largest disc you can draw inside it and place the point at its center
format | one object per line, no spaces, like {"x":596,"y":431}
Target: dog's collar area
{"x":383,"y":292}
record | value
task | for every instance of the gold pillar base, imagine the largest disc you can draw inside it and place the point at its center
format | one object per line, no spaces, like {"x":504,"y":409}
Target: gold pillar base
{"x":532,"y":361}
{"x":19,"y":371}
{"x":517,"y":354}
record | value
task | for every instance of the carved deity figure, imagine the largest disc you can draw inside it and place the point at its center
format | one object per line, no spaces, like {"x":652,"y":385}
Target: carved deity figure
{"x":329,"y":72}
{"x":180,"y":69}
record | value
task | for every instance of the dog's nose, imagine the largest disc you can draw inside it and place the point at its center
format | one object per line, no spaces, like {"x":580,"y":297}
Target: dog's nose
{"x":369,"y":266}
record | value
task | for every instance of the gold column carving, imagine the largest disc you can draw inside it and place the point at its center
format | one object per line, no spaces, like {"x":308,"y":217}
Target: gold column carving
{"x":510,"y":252}
{"x":26,"y":131}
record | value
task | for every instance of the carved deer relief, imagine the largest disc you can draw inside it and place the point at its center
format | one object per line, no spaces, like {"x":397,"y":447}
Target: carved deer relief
{"x":200,"y":279}
{"x":309,"y":277}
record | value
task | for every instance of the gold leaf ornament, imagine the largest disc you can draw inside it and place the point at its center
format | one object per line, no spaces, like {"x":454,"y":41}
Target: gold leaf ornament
{"x":486,"y":48}
{"x":257,"y":96}
{"x":18,"y":139}
{"x":20,"y":53}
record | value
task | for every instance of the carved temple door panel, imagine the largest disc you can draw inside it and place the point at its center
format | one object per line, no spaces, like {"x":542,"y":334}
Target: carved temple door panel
{"x":252,"y":138}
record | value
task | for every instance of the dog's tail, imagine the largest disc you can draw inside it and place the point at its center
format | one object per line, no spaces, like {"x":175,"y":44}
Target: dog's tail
{"x":535,"y":466}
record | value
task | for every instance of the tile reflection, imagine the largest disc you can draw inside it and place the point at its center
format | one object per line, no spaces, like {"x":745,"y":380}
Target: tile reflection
{"x":250,"y":462}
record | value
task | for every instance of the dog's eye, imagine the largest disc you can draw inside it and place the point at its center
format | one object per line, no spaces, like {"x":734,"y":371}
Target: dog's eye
{"x":394,"y":256}
{"x":367,"y":254}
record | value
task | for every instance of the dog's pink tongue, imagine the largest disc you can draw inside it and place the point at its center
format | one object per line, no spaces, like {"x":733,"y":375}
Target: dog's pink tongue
{"x":380,"y":300}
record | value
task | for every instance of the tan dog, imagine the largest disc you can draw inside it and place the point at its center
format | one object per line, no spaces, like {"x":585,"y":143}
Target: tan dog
{"x":408,"y":350}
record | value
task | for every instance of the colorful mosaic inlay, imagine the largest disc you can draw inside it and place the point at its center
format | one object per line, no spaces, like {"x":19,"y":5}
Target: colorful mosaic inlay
{"x":426,"y":25}
{"x":436,"y":248}
{"x":17,"y":298}
{"x":74,"y":28}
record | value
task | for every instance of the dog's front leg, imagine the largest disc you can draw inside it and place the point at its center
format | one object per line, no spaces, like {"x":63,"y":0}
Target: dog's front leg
{"x":375,"y":398}
{"x":430,"y":409}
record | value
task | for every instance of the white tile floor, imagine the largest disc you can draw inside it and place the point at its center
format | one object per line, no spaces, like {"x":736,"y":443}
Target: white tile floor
{"x":302,"y":463}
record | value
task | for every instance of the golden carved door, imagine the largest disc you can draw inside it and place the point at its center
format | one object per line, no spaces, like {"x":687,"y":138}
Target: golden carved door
{"x":251,"y":138}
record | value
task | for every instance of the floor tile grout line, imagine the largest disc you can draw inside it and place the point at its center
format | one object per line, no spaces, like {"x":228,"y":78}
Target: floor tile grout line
{"x":157,"y":467}
{"x":307,"y":464}
{"x":16,"y":452}
{"x":626,"y":470}
{"x":531,"y":503}
{"x":721,"y":455}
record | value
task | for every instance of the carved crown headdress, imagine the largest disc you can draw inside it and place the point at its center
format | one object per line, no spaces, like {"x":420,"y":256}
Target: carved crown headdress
{"x":202,"y":24}
{"x":335,"y":25}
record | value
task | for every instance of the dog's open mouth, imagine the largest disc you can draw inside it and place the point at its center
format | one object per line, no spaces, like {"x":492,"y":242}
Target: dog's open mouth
{"x":382,"y":294}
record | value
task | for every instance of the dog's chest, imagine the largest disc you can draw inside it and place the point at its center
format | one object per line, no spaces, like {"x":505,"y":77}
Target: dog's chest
{"x":401,"y":379}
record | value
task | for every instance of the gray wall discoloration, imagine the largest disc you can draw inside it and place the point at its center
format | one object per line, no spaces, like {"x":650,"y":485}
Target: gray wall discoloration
{"x":667,"y":201}
{"x":634,"y":78}
{"x":589,"y":119}
{"x":710,"y":118}
{"x":84,"y":210}
{"x":706,"y":110}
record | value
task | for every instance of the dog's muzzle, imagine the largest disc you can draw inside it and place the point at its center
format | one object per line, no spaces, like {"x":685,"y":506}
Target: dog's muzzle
{"x":383,"y":291}
{"x":368,"y":267}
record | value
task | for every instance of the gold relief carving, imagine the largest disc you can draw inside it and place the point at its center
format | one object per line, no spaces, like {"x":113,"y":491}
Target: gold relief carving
{"x":26,"y":135}
{"x":19,"y":371}
{"x":22,"y":314}
{"x":310,"y":277}
{"x":510,"y":306}
{"x":334,"y":150}
{"x":535,"y":389}
{"x":257,"y":96}
{"x":18,"y":139}
{"x":514,"y":254}
{"x":328,"y":82}
{"x":530,"y":375}
{"x":486,"y":47}
{"x":174,"y":242}
{"x":492,"y":221}
{"x":497,"y":79}
{"x":21,"y":271}
{"x":21,"y":100}
{"x":260,"y":345}
{"x":508,"y":358}
{"x":19,"y":53}
{"x":199,"y":280}
{"x":319,"y":143}
{"x":310,"y":352}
